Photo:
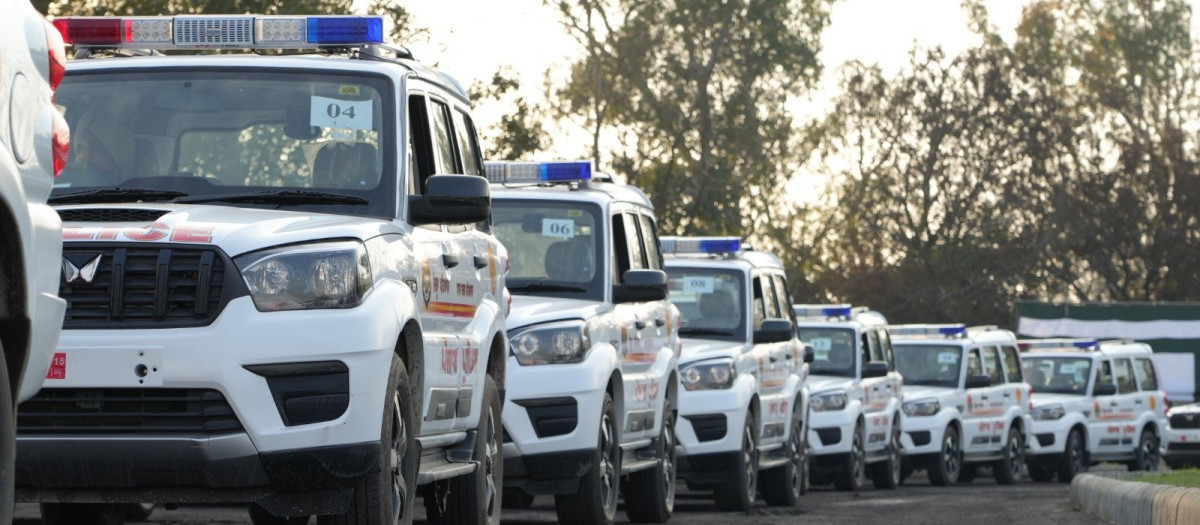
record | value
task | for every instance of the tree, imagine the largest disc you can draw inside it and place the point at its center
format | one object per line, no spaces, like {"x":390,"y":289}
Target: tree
{"x":687,"y":99}
{"x":520,"y":132}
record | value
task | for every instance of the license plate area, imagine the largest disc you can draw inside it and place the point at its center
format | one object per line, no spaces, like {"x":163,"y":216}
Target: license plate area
{"x":106,"y":367}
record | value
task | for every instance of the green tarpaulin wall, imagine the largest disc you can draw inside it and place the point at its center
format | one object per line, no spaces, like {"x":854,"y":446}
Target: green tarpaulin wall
{"x":1172,"y":329}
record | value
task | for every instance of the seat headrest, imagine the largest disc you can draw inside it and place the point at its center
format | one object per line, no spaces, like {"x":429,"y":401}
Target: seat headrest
{"x":346,"y":165}
{"x":717,"y":304}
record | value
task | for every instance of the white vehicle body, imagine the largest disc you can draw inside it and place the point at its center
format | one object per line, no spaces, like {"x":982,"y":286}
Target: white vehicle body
{"x":565,"y":239}
{"x":1064,"y":374}
{"x":1183,"y":436}
{"x":724,"y":299}
{"x":985,"y":416}
{"x":843,"y":344}
{"x":294,"y":391}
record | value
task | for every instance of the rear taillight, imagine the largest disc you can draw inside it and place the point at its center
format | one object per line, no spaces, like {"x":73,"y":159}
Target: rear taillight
{"x":58,"y":55}
{"x":61,"y":142}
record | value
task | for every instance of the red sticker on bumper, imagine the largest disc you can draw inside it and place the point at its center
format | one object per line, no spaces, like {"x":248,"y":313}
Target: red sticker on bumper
{"x":58,"y":366}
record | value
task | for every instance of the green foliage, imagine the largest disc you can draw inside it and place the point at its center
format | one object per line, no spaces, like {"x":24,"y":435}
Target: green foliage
{"x":1179,"y":478}
{"x":520,"y":133}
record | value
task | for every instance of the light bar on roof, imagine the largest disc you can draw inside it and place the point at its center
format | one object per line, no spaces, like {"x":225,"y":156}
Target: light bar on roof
{"x":700,"y":244}
{"x":943,"y":330}
{"x":1060,"y":344}
{"x":822,"y":310}
{"x":221,"y":31}
{"x":535,"y":172}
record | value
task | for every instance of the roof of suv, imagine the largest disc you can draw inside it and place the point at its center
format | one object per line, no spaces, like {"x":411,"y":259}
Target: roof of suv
{"x":838,"y":314}
{"x":594,"y":191}
{"x":1088,"y":347}
{"x":758,"y":260}
{"x":949,"y":333}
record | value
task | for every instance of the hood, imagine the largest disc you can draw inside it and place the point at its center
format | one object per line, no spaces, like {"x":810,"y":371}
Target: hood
{"x":700,"y":349}
{"x":915,"y":393}
{"x":532,"y":309}
{"x":1190,"y":408}
{"x":818,"y":384}
{"x":1040,"y":399}
{"x":235,"y":230}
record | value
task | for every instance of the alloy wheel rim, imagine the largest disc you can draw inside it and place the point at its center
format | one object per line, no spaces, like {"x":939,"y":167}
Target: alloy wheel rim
{"x":950,"y":459}
{"x":1014,"y":455}
{"x":397,"y":455}
{"x":796,"y":448}
{"x":895,"y":455}
{"x":749,"y":452}
{"x":608,"y":475}
{"x":668,"y":469}
{"x":492,"y":452}
{"x":857,"y":456}
{"x":1149,"y":455}
{"x":1076,"y":455}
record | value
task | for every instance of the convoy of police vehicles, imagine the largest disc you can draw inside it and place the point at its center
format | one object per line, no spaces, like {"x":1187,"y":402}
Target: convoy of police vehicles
{"x":291,"y":282}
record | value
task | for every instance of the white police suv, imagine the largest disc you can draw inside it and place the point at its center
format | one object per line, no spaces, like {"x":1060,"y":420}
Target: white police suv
{"x":743,"y":404}
{"x":590,"y":411}
{"x":281,"y":286}
{"x":965,"y":401}
{"x":856,"y":395}
{"x":1183,"y":436}
{"x":1093,"y":401}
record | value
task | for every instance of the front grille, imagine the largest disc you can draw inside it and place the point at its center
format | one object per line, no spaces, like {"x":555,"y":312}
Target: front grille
{"x":1045,"y":440}
{"x":222,"y":31}
{"x":1183,"y":446}
{"x":127,"y":411}
{"x":110,"y":215}
{"x":920,"y":438}
{"x":134,"y":286}
{"x":1185,"y":421}
{"x":829,"y":436}
{"x":708,"y":427}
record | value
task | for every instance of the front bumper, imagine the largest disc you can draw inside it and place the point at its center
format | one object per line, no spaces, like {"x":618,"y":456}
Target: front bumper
{"x":548,"y":474}
{"x":831,"y":432}
{"x":1049,"y":437}
{"x":1183,"y":445}
{"x":923,"y":435}
{"x":711,"y":421}
{"x":536,"y":406}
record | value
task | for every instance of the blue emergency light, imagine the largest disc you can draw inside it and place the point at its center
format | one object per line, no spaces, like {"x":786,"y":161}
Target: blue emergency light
{"x":221,"y":31}
{"x":822,"y":311}
{"x":952,"y":330}
{"x":538,"y":172}
{"x":916,"y":330}
{"x":1087,"y":343}
{"x":709,"y":245}
{"x":840,"y":311}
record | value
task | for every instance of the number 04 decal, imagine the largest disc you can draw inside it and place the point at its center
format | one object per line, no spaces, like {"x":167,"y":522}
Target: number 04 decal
{"x":328,"y":112}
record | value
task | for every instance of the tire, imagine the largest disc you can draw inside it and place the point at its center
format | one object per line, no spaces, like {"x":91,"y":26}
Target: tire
{"x":782,"y":486}
{"x":1007,"y":470}
{"x":949,"y":466}
{"x":474,"y":499}
{"x":967,"y":474}
{"x":886,"y":474}
{"x":1146,"y":455}
{"x":388,"y":496}
{"x":1074,"y":458}
{"x":595,"y":503}
{"x":739,"y":492}
{"x":906,"y":471}
{"x":8,"y":443}
{"x":849,"y":477}
{"x":650,"y":494}
{"x":138,"y":512}
{"x":515,"y":498}
{"x":259,"y":516}
{"x":83,"y":513}
{"x":1040,"y":473}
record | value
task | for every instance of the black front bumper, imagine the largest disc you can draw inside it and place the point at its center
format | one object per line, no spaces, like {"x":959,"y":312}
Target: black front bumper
{"x":702,"y":470}
{"x":204,"y":469}
{"x":549,"y":474}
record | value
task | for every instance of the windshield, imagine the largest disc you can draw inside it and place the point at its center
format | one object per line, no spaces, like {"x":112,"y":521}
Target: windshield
{"x":1058,"y":375}
{"x":555,"y":247}
{"x":833,"y":350}
{"x":711,"y":301}
{"x":928,"y":365}
{"x":200,"y":135}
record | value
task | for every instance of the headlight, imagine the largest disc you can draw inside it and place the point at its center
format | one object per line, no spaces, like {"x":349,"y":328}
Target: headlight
{"x":829,"y":401}
{"x":307,"y":277}
{"x":717,"y":374}
{"x":1048,"y":413}
{"x":922,"y":408}
{"x":557,"y":343}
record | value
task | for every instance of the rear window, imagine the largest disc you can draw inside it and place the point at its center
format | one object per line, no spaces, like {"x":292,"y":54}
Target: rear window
{"x":1146,"y":374}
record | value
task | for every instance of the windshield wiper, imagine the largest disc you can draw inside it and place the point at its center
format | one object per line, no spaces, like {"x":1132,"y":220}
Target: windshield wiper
{"x":545,"y":287}
{"x":115,"y":195}
{"x":704,"y":331}
{"x":278,"y":197}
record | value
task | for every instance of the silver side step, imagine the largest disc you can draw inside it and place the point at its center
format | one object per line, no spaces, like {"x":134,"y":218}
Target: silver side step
{"x":435,"y":467}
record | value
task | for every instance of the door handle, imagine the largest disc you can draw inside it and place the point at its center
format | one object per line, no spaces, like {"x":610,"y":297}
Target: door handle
{"x":481,"y":262}
{"x":1007,"y":395}
{"x":639,"y":324}
{"x":660,"y":322}
{"x":773,"y":359}
{"x":788,"y":356}
{"x":1138,"y":401}
{"x":1113,"y":404}
{"x":449,"y":261}
{"x":982,"y":397}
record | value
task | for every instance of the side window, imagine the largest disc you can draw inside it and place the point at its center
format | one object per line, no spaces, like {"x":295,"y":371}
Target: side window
{"x":650,"y":243}
{"x":875,"y":351}
{"x":620,"y":248}
{"x":1146,"y":375}
{"x":782,"y":300}
{"x":637,"y":260}
{"x":1012,"y":364}
{"x":468,"y":145}
{"x":1105,"y":374}
{"x":991,"y":365}
{"x":885,"y":342}
{"x":1124,"y":376}
{"x":974,"y":367}
{"x":420,"y":145}
{"x":769,"y":300}
{"x":760,"y":307}
{"x":442,"y":139}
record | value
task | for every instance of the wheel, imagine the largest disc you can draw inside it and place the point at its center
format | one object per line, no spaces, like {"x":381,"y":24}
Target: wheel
{"x":650,"y":494}
{"x":83,"y":513}
{"x":967,"y":474}
{"x":1074,"y":458}
{"x":387,"y":496}
{"x":595,"y":503}
{"x":8,"y":443}
{"x":259,"y":516}
{"x":783,"y":485}
{"x":138,"y":512}
{"x":906,"y":471}
{"x":515,"y":498}
{"x":1146,"y":455}
{"x":849,"y":477}
{"x":739,"y":492}
{"x":1007,"y":469}
{"x":886,"y":474}
{"x":475,"y":498}
{"x":949,"y":466}
{"x":1040,"y":473}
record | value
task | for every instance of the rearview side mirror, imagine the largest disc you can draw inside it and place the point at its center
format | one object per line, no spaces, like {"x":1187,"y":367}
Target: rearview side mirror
{"x":809,"y":354}
{"x":979,"y":381}
{"x":451,"y":199}
{"x":774,"y":331}
{"x":874,"y":369}
{"x":641,"y":286}
{"x":1104,"y":389}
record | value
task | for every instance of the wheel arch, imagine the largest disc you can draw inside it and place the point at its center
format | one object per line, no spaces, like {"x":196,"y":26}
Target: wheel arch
{"x":616,"y":389}
{"x":496,"y":362}
{"x":14,"y":325}
{"x":409,"y":348}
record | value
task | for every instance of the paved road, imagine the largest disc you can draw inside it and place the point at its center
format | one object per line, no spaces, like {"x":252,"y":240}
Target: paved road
{"x":917,"y":502}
